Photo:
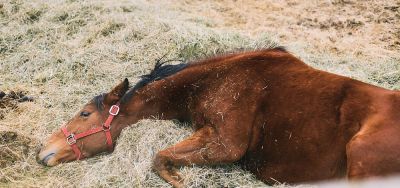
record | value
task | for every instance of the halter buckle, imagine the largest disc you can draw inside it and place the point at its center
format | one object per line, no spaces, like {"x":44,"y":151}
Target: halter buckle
{"x":114,"y":110}
{"x":106,"y":128}
{"x":71,"y":139}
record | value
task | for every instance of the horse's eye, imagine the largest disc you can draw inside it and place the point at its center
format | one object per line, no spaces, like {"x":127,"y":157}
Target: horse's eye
{"x":85,"y":114}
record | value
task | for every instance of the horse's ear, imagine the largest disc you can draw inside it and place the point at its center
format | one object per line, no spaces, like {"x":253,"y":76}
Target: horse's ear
{"x":115,"y":94}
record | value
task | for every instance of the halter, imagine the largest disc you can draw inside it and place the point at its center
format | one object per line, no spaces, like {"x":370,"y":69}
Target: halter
{"x":72,"y":138}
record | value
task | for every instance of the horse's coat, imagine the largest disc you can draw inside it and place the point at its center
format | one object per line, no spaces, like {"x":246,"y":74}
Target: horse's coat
{"x":280,"y":118}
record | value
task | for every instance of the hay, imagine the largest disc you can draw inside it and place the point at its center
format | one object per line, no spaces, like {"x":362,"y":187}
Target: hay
{"x":64,"y":52}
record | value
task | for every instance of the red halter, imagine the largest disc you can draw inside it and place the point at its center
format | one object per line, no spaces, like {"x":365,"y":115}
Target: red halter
{"x":72,"y":138}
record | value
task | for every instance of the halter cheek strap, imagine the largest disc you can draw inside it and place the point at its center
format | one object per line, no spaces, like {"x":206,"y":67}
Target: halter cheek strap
{"x":72,"y":138}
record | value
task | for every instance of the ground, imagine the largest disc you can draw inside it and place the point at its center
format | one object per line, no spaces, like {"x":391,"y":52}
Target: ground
{"x":62,"y":53}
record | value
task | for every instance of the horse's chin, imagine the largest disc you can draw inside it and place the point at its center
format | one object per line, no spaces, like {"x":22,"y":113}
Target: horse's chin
{"x":52,"y":163}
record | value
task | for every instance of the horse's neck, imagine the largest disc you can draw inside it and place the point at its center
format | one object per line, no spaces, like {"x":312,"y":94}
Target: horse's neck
{"x":159,"y":100}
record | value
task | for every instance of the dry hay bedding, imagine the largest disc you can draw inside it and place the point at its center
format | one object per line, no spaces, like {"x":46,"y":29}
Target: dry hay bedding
{"x":65,"y":52}
{"x":13,"y":148}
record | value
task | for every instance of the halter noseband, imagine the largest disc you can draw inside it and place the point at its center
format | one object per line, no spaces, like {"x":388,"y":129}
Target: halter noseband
{"x":72,"y":138}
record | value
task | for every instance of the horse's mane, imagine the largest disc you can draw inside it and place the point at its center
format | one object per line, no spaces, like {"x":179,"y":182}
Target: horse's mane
{"x":159,"y":72}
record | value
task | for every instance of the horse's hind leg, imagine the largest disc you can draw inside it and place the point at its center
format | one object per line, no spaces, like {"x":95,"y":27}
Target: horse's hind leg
{"x":204,"y":147}
{"x":373,"y":154}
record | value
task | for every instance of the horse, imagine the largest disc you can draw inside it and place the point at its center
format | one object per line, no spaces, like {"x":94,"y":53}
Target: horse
{"x":265,"y":110}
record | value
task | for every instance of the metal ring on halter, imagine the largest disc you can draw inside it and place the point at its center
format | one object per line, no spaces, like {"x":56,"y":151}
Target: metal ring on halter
{"x":71,"y":139}
{"x":106,"y":128}
{"x":114,"y":110}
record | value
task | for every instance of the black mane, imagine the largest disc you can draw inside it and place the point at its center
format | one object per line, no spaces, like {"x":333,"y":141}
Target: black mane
{"x":160,"y":71}
{"x":98,"y":101}
{"x":280,"y":48}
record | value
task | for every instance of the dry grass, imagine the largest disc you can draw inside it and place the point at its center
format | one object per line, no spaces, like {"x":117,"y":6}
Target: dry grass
{"x":65,"y":52}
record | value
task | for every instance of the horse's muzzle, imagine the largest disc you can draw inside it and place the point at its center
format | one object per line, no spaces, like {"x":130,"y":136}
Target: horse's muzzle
{"x":43,"y":157}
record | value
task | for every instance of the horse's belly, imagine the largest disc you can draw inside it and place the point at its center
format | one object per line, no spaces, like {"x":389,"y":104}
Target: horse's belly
{"x":296,"y":160}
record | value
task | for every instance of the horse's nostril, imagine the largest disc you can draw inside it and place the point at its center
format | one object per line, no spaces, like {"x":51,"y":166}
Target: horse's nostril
{"x":47,"y":158}
{"x":44,"y":160}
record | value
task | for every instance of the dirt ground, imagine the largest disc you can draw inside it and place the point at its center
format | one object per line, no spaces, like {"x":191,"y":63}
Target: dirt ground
{"x":13,"y":148}
{"x":365,"y":29}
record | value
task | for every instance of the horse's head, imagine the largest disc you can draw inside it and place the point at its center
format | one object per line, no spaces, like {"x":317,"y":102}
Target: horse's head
{"x":86,"y":134}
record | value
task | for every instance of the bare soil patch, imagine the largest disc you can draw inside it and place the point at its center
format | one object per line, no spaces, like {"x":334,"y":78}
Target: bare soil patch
{"x":13,"y":147}
{"x":10,"y":101}
{"x":366,"y":29}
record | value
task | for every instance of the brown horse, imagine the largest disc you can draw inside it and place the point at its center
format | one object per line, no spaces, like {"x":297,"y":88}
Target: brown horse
{"x":279,"y":118}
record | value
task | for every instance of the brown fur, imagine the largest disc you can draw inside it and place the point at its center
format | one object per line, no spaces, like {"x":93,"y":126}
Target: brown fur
{"x":281,"y":119}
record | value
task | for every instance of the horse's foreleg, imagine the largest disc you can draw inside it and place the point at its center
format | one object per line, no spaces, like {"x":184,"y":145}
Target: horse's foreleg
{"x":204,"y":147}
